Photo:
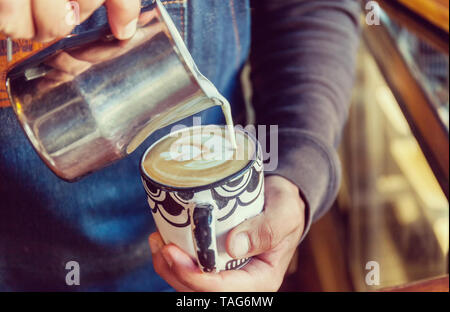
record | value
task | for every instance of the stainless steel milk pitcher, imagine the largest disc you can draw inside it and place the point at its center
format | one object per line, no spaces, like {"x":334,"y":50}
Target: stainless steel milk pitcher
{"x":89,"y":99}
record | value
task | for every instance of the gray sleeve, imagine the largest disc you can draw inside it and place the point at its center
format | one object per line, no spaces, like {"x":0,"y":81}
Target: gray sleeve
{"x":302,"y":59}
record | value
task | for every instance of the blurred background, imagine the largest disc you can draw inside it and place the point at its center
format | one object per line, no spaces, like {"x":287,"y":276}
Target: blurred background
{"x":393,"y":205}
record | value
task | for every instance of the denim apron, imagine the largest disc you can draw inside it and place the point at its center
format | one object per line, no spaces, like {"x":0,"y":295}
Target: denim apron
{"x":103,"y":221}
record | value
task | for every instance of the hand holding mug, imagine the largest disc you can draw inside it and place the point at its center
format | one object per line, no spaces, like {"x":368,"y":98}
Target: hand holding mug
{"x":271,"y":238}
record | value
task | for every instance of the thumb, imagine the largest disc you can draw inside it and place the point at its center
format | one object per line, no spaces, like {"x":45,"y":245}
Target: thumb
{"x":254,"y":236}
{"x":123,"y":17}
{"x":283,"y":215}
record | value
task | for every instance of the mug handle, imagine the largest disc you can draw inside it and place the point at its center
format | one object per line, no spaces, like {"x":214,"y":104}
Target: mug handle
{"x":203,"y":228}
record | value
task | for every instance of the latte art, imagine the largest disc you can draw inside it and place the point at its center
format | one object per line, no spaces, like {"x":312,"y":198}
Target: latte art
{"x":200,"y":150}
{"x":197,"y":156}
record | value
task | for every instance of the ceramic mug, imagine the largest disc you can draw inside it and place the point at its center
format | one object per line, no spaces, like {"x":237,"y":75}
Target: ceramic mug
{"x":198,"y":219}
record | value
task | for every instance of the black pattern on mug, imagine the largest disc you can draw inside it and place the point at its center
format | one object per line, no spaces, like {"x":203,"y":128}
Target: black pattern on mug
{"x":240,"y":192}
{"x":173,"y":206}
{"x":202,"y":218}
{"x":236,"y":263}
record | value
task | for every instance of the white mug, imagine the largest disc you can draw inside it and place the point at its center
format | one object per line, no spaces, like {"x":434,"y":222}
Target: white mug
{"x":198,"y":219}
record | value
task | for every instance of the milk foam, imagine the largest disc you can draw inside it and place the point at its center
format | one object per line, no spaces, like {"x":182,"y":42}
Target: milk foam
{"x":198,"y":157}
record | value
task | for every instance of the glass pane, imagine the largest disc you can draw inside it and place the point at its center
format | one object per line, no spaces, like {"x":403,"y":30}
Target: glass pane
{"x":428,"y":65}
{"x":397,"y":213}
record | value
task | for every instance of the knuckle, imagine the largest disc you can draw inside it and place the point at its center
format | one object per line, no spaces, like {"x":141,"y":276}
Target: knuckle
{"x":11,"y":23}
{"x":266,"y":237}
{"x":6,"y":27}
{"x":48,"y":34}
{"x":7,"y":8}
{"x":119,"y":4}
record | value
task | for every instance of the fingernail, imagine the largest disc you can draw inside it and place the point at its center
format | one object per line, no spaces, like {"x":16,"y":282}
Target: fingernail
{"x":128,"y":31}
{"x":240,"y":245}
{"x":167,"y":257}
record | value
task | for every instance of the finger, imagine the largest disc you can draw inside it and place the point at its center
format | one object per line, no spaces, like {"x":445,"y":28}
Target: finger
{"x":146,"y":17}
{"x":255,"y":276}
{"x":16,"y":20}
{"x":68,"y":64}
{"x":283,"y":214}
{"x":183,"y":268}
{"x":161,"y":266}
{"x":50,"y":19}
{"x":47,"y":84}
{"x":58,"y":76}
{"x":86,"y":8}
{"x":123,"y":17}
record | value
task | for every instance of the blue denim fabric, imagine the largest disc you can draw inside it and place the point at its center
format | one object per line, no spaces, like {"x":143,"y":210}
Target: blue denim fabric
{"x":103,"y":221}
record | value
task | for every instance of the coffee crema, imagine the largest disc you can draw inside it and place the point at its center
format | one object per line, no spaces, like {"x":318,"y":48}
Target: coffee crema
{"x":198,"y":156}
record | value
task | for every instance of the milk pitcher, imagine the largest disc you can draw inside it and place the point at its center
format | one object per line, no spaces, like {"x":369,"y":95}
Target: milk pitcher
{"x":89,"y":100}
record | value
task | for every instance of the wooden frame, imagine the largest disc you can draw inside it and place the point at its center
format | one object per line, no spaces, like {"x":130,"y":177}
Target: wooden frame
{"x":414,"y":101}
{"x":419,"y":23}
